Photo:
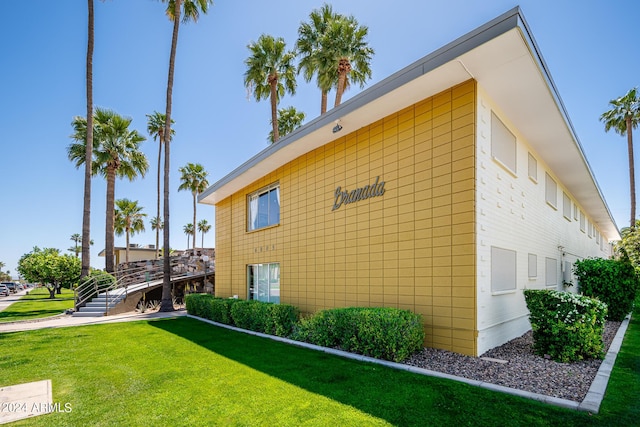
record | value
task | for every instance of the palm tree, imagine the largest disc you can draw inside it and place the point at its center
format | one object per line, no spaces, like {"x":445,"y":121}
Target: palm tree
{"x":270,"y":73}
{"x":203,"y":227}
{"x":86,"y":210}
{"x":623,"y":117}
{"x":129,"y":220}
{"x":192,"y":9}
{"x":155,"y":128}
{"x":309,"y":48}
{"x":189,"y":231}
{"x":76,"y":238}
{"x":116,"y":154}
{"x":156,"y":225}
{"x":194,"y":179}
{"x":289,"y":119}
{"x":344,"y":43}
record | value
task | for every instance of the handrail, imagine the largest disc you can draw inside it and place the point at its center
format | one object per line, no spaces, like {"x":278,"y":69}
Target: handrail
{"x":106,"y":284}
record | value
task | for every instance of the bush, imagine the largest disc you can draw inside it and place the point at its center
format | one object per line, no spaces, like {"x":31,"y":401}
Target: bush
{"x":612,"y":281}
{"x":565,"y":326}
{"x":384,"y":333}
{"x":269,"y":318}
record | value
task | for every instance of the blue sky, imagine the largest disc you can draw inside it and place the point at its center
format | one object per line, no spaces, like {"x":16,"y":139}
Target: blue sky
{"x":589,"y":47}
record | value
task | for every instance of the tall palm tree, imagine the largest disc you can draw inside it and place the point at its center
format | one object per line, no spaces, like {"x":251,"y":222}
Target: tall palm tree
{"x":155,"y":128}
{"x":193,"y":178}
{"x":175,"y":9}
{"x":289,"y":119}
{"x":129,"y":220}
{"x":76,"y":238}
{"x":203,"y":227}
{"x":270,"y":73}
{"x":344,"y":43}
{"x":309,"y":48}
{"x":116,"y":155}
{"x":156,"y":225}
{"x":189,"y":231}
{"x":86,"y":210}
{"x":623,"y":117}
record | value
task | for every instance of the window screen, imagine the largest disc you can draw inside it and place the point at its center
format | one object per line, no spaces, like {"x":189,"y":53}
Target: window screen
{"x":503,"y":269}
{"x":503,"y":143}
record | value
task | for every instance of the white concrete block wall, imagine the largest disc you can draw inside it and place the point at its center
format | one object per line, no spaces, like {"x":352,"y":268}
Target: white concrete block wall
{"x":511,"y":213}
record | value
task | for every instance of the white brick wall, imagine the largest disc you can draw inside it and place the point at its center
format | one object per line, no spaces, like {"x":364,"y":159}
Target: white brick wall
{"x":512,"y":213}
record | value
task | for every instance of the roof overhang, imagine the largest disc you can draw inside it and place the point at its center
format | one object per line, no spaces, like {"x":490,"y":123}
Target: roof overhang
{"x":504,"y":59}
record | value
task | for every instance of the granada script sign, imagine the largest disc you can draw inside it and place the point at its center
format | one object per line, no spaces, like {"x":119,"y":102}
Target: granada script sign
{"x":344,"y":197}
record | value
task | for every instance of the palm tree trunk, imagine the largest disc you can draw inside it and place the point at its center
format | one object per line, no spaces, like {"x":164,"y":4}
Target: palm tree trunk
{"x":323,"y":102}
{"x":274,"y":109}
{"x":632,"y":173}
{"x":344,"y":67}
{"x":194,"y":223}
{"x":167,"y":300}
{"x":160,"y":135}
{"x":86,"y":211}
{"x":109,"y":219}
{"x":127,"y":248}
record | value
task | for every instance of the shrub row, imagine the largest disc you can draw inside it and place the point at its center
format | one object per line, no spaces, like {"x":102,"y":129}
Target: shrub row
{"x":384,"y":333}
{"x":274,"y":319}
{"x":613,"y":282}
{"x":566,"y":326}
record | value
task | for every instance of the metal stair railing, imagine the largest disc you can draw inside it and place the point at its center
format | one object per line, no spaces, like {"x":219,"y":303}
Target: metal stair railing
{"x":105,"y":284}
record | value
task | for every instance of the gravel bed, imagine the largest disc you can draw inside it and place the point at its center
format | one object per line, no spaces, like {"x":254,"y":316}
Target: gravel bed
{"x":523,"y":370}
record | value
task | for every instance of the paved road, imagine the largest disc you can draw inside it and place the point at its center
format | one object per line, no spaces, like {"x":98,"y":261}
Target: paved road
{"x":7,"y":301}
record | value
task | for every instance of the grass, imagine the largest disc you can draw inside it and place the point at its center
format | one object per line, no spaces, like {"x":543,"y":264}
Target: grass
{"x":186,"y":372}
{"x":37,"y":305}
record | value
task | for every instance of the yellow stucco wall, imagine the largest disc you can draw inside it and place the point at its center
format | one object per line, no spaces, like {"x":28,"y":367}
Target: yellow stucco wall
{"x":412,"y":248}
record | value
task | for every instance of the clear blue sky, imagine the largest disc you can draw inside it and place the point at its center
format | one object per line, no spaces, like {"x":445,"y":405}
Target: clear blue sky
{"x":589,"y":46}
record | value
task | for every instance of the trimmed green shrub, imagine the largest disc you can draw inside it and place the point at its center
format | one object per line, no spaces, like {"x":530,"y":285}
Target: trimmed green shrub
{"x":209,"y":307}
{"x":566,"y":326}
{"x":612,"y":281}
{"x":383,"y":333}
{"x":269,"y":318}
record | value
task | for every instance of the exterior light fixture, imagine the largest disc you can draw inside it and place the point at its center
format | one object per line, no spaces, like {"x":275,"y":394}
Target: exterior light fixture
{"x":337,"y":128}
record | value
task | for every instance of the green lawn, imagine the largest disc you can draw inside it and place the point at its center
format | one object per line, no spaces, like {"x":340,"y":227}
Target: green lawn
{"x":186,"y":372}
{"x":36,"y":305}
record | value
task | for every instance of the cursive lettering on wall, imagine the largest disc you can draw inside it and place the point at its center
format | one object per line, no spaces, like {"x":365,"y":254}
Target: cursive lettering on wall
{"x":344,"y":197}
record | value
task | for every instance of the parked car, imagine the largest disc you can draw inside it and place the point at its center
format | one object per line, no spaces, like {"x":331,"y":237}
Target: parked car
{"x":4,"y":290}
{"x":13,"y":287}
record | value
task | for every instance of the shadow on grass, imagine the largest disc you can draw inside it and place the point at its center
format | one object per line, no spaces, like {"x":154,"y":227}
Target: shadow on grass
{"x":401,"y":398}
{"x":14,"y":316}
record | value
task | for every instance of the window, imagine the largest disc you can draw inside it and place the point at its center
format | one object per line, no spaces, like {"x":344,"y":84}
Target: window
{"x":503,"y":144}
{"x":264,"y":208}
{"x":550,"y":191}
{"x":566,"y":206}
{"x":533,"y":266}
{"x":575,"y":211}
{"x":582,"y":221}
{"x":551,"y":272}
{"x":263,"y":281}
{"x":503,"y":270}
{"x":533,"y":168}
{"x":567,"y":277}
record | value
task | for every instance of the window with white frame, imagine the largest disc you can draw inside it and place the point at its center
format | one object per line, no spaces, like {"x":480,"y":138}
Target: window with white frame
{"x":582,"y":221}
{"x":503,"y":144}
{"x":263,"y":208}
{"x":533,"y":168}
{"x":575,"y":211}
{"x":551,"y":191}
{"x":533,"y":266}
{"x":263,"y":281}
{"x":551,"y":272}
{"x":566,"y":206}
{"x":503,"y":269}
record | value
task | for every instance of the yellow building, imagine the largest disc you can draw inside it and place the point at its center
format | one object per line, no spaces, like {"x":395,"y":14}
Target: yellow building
{"x":424,"y":192}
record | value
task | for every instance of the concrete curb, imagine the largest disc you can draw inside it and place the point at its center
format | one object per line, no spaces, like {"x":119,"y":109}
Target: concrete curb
{"x":591,"y":402}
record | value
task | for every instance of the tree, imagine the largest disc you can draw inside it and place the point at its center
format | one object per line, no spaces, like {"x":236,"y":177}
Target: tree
{"x":623,"y":117}
{"x":193,"y":178}
{"x":309,"y":48}
{"x":155,"y":128}
{"x":189,"y":231}
{"x":129,"y":220}
{"x":157,"y":225}
{"x":192,"y":9}
{"x":203,"y":227}
{"x":76,"y":238}
{"x":289,"y":119}
{"x":88,"y":154}
{"x":344,"y":43}
{"x":116,"y":154}
{"x":270,"y":73}
{"x":49,"y":268}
